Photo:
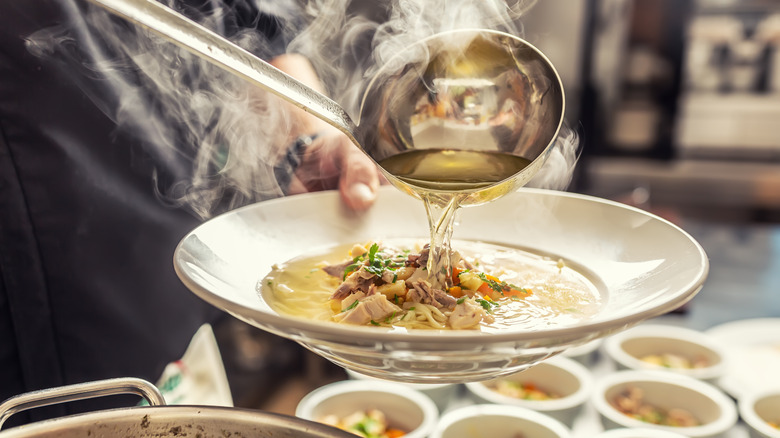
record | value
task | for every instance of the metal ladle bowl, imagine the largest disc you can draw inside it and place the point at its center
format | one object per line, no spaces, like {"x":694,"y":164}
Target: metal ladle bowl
{"x":472,"y":89}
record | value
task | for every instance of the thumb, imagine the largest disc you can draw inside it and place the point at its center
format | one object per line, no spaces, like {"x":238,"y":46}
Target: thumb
{"x":359,"y":180}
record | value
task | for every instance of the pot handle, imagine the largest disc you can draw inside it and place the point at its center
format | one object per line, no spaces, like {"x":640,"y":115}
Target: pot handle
{"x":80,"y":391}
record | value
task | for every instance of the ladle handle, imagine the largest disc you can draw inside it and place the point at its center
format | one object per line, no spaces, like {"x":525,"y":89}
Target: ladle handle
{"x":217,"y":50}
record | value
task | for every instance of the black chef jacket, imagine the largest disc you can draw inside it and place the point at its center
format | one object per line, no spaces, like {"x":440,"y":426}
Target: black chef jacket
{"x":87,"y":287}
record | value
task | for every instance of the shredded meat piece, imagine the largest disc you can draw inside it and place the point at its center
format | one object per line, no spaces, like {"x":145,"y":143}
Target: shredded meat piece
{"x":337,"y":270}
{"x":423,"y":260}
{"x":422,"y":292}
{"x":468,"y":315}
{"x":359,"y":280}
{"x":418,"y":260}
{"x":417,"y":275}
{"x":374,"y":307}
{"x":388,"y":276}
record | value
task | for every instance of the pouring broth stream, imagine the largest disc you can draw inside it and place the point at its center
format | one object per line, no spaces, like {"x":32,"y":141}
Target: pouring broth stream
{"x":444,"y":179}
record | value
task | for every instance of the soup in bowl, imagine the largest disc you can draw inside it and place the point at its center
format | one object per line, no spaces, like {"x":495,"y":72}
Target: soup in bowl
{"x":611,"y":251}
{"x":386,"y":285}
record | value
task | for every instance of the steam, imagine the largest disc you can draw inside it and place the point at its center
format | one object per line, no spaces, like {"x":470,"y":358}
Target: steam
{"x":347,"y":50}
{"x":215,"y":137}
{"x":558,"y":170}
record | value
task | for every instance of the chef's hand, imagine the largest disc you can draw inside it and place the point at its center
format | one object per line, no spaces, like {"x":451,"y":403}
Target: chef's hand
{"x":331,"y":160}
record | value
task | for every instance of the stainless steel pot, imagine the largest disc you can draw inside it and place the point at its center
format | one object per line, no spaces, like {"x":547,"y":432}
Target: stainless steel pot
{"x":154,"y":421}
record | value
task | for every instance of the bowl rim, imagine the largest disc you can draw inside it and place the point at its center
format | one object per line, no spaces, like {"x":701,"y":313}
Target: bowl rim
{"x":451,"y":417}
{"x":746,"y":406}
{"x":416,"y":386}
{"x":727,"y":419}
{"x":584,"y":349}
{"x":613,"y":346}
{"x":328,"y":329}
{"x":739,"y":336}
{"x":430,"y":412}
{"x":634,"y":432}
{"x":567,"y":365}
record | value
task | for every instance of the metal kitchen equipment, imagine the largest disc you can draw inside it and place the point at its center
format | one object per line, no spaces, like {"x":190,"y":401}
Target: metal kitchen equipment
{"x":154,"y":421}
{"x":470,"y":89}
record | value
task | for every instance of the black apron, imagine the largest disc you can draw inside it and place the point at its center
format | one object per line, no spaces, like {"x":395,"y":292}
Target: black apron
{"x":87,"y":287}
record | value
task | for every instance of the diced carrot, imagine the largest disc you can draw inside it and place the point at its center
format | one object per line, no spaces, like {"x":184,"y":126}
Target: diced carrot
{"x":394,"y":433}
{"x":484,"y":288}
{"x":520,"y":293}
{"x":455,"y":291}
{"x":456,"y":276}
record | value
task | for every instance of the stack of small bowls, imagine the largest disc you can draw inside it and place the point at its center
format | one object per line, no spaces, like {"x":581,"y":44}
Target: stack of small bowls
{"x":666,"y":387}
{"x":498,"y":421}
{"x":441,"y":393}
{"x":713,"y":410}
{"x":405,"y":409}
{"x":631,"y":348}
{"x":760,"y":410}
{"x":485,"y":412}
{"x":569,"y":381}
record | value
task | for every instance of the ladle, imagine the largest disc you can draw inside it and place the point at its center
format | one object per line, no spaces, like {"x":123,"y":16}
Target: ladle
{"x":491,"y":100}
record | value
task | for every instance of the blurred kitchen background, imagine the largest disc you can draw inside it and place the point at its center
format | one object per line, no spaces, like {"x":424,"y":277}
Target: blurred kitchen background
{"x":677,"y":104}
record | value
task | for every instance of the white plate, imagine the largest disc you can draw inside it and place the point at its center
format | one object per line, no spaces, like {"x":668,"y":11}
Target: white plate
{"x":753,"y":352}
{"x":644,"y":266}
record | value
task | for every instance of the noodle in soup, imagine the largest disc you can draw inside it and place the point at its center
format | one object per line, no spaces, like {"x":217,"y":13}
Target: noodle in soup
{"x":385,"y":284}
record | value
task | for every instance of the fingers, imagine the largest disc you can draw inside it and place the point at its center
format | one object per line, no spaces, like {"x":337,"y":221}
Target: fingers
{"x":331,"y":162}
{"x":359,"y":180}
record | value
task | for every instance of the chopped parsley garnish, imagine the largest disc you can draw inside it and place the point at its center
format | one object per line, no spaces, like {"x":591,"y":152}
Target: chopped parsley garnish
{"x":351,"y":306}
{"x":461,"y":300}
{"x":350,"y":269}
{"x":374,"y":263}
{"x":374,"y":322}
{"x":487,"y":305}
{"x":372,"y":252}
{"x":374,"y":269}
{"x":496,"y":286}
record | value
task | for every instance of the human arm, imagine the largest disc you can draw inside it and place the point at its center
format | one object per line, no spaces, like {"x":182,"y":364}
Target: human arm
{"x":331,"y":161}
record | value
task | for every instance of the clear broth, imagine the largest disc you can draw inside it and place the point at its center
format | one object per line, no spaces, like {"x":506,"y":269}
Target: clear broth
{"x":562,"y":296}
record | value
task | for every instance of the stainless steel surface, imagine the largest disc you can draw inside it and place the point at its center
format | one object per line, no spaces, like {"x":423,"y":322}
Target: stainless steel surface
{"x":176,"y":421}
{"x":217,"y":50}
{"x":80,"y":391}
{"x":153,"y":421}
{"x":466,"y":89}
